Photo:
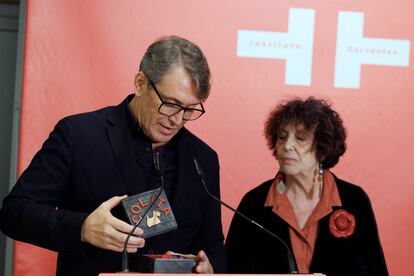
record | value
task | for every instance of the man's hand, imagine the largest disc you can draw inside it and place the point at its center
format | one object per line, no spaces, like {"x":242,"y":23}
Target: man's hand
{"x":203,"y":264}
{"x":103,"y":230}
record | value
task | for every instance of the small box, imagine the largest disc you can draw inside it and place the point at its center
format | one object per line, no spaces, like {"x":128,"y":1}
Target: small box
{"x":158,"y":220}
{"x":166,"y":264}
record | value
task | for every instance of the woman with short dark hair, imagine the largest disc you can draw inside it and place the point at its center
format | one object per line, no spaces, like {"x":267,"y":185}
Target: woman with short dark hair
{"x":327,"y":223}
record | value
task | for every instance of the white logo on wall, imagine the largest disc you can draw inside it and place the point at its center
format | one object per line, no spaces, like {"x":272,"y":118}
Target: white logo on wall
{"x":296,"y":47}
{"x":352,"y":50}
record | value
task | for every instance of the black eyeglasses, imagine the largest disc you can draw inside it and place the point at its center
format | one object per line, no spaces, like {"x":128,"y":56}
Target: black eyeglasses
{"x":170,"y":109}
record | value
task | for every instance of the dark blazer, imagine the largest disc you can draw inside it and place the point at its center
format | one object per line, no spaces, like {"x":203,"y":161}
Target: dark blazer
{"x":250,"y":250}
{"x":87,"y":159}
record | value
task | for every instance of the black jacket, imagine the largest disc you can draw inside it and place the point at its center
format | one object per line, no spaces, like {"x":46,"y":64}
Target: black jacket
{"x":87,"y":159}
{"x":250,"y":250}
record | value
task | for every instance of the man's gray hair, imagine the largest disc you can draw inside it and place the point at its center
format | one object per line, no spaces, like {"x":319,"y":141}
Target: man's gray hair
{"x":171,"y":52}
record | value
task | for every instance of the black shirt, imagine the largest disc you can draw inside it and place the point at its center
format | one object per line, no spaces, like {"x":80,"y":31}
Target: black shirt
{"x":145,"y":157}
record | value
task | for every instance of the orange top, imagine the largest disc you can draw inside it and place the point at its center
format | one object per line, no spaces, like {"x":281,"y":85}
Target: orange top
{"x":303,"y":240}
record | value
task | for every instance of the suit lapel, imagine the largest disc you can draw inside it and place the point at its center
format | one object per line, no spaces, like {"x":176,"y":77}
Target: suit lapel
{"x":276,"y":225}
{"x":121,"y":143}
{"x":184,"y":162}
{"x":270,"y":220}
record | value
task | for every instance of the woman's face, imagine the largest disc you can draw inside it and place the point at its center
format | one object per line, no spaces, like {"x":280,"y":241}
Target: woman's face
{"x":294,"y":151}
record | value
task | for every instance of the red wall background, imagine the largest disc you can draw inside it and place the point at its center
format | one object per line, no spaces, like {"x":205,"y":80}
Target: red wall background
{"x":82,"y":55}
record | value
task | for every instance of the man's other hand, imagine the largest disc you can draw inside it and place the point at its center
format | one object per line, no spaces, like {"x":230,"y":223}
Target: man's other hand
{"x":103,"y":230}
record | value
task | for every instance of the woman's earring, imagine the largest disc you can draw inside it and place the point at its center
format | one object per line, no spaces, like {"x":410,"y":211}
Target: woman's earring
{"x":281,"y":186}
{"x":320,"y":172}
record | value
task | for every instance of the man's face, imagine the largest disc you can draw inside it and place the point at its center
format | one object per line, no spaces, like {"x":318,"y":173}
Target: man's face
{"x":175,"y":87}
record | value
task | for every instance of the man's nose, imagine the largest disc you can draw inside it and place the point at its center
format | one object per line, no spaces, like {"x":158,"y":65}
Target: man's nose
{"x":177,"y":118}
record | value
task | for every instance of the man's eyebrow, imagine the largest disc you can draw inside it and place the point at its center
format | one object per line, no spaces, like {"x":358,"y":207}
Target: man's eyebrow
{"x":175,"y":101}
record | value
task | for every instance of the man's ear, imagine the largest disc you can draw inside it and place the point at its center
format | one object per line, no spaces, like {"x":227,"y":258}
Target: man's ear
{"x":141,"y":83}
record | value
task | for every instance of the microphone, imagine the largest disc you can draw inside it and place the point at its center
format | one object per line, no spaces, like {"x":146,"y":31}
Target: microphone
{"x":158,"y":168}
{"x":158,"y":165}
{"x":292,"y":264}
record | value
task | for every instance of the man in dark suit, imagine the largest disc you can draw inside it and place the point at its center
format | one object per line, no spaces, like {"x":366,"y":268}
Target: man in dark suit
{"x":91,"y":161}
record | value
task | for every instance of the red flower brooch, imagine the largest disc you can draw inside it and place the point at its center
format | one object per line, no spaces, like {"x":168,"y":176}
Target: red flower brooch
{"x":341,"y":224}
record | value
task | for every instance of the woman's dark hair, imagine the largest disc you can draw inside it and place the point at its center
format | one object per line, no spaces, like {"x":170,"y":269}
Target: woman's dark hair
{"x":313,"y":114}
